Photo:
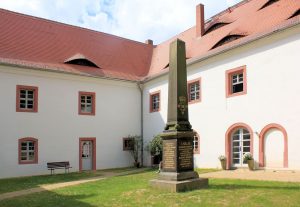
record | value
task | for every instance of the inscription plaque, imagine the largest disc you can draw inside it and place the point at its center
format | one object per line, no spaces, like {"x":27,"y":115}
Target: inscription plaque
{"x":169,"y":155}
{"x":185,"y":155}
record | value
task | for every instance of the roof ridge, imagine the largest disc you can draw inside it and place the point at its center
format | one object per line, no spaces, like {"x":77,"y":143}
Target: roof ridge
{"x":69,"y":25}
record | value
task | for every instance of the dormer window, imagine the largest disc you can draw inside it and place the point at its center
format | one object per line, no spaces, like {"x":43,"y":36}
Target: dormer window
{"x":81,"y":60}
{"x":215,"y":27}
{"x":269,"y":3}
{"x":227,"y":39}
{"x":297,"y":13}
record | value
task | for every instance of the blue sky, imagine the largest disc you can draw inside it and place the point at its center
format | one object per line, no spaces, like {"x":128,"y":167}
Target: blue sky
{"x":134,"y":19}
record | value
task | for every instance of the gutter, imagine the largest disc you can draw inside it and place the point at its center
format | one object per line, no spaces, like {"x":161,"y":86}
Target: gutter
{"x":51,"y":70}
{"x":218,"y":52}
{"x":140,"y":86}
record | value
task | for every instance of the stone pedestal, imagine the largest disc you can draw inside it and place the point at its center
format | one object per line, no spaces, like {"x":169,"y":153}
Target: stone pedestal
{"x":178,"y":173}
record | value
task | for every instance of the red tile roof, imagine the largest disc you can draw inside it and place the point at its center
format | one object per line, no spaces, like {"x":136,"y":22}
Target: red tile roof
{"x":38,"y":43}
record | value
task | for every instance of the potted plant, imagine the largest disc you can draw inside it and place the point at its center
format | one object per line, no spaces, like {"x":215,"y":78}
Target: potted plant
{"x":155,"y":147}
{"x":222,"y":159}
{"x":249,"y":159}
{"x":136,"y":145}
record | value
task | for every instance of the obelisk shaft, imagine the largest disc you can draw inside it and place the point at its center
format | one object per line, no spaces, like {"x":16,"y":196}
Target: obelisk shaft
{"x":178,"y":118}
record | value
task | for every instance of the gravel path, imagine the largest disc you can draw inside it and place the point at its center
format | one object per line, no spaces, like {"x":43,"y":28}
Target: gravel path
{"x":65,"y":184}
{"x":267,"y":175}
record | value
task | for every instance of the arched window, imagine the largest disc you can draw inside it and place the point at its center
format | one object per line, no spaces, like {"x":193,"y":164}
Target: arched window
{"x":79,"y":59}
{"x":28,"y":150}
{"x":269,"y":3}
{"x":226,"y":40}
{"x":196,"y":143}
{"x":297,"y":13}
{"x":215,"y":27}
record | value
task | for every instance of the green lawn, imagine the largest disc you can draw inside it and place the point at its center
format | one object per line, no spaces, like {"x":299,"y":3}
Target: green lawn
{"x":21,"y":183}
{"x":134,"y":190}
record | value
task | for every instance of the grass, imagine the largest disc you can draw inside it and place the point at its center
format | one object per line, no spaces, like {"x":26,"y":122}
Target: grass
{"x":21,"y":183}
{"x":134,"y":190}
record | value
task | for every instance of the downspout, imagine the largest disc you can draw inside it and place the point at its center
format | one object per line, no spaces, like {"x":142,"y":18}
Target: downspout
{"x":140,"y":85}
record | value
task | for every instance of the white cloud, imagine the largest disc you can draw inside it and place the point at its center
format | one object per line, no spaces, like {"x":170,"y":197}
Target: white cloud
{"x":134,"y":19}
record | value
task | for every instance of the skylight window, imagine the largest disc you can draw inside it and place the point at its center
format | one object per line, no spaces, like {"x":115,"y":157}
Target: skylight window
{"x":227,"y":39}
{"x":269,"y":3}
{"x":297,"y":13}
{"x":215,"y":27}
{"x":81,"y":60}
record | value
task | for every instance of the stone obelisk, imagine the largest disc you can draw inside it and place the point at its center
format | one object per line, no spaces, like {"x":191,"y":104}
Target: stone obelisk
{"x":177,"y":172}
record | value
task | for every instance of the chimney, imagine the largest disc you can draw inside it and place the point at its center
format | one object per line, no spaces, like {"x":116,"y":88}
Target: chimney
{"x":200,"y":21}
{"x":149,"y":42}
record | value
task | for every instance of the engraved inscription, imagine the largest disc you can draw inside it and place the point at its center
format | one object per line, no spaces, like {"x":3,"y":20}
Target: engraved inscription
{"x":185,"y":155}
{"x":169,"y":153}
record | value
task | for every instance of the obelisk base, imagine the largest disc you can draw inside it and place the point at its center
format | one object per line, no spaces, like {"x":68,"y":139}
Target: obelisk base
{"x":180,"y":186}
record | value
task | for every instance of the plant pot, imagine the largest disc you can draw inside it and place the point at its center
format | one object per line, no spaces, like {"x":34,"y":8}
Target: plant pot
{"x":250,"y":164}
{"x":137,"y":164}
{"x":223,"y":164}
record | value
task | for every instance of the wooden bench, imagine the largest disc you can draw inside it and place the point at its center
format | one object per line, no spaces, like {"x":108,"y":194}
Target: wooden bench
{"x":58,"y":165}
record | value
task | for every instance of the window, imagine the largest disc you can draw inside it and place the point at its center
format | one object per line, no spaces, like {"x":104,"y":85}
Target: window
{"x":236,"y":82}
{"x":27,"y":99}
{"x":194,"y":91}
{"x":80,"y":59}
{"x":86,"y":105}
{"x":215,"y":27}
{"x":269,"y":3}
{"x":28,"y":151}
{"x":227,"y":39}
{"x":155,"y":101}
{"x":196,"y":143}
{"x":128,"y":144}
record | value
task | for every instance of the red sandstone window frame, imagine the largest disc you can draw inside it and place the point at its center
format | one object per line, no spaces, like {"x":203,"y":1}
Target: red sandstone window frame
{"x":157,"y":93}
{"x":36,"y":146}
{"x":228,"y":83}
{"x":93,"y":95}
{"x":190,"y":83}
{"x":35,"y":98}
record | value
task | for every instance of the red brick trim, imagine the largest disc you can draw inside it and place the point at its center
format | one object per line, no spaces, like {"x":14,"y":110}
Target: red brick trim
{"x":151,"y":99}
{"x":190,"y":82}
{"x":93,"y":140}
{"x":262,"y":144}
{"x":197,"y":151}
{"x":228,"y":81}
{"x":83,"y":93}
{"x":36,"y":150}
{"x":228,"y":149}
{"x":35,"y":98}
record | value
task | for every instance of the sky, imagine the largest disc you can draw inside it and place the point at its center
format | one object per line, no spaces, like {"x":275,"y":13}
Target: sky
{"x":138,"y":20}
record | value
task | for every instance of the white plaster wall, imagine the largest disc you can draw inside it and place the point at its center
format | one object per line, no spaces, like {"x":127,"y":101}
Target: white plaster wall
{"x":57,"y":125}
{"x":272,"y":97}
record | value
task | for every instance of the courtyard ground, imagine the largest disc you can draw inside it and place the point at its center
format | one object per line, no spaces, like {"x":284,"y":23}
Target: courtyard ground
{"x":134,"y":190}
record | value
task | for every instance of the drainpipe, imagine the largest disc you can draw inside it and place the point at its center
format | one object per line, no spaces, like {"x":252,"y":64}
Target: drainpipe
{"x":140,"y":85}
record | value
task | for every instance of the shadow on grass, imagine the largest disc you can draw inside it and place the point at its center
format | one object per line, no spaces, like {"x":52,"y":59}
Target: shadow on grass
{"x":47,"y":199}
{"x":251,"y":187}
{"x":21,"y":183}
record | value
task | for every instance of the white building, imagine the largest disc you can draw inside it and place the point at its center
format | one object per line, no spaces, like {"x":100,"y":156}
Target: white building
{"x":72,"y":94}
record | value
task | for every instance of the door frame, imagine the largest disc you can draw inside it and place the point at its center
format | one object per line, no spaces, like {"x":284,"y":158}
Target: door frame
{"x":262,"y":144}
{"x":93,"y":140}
{"x":228,"y":148}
